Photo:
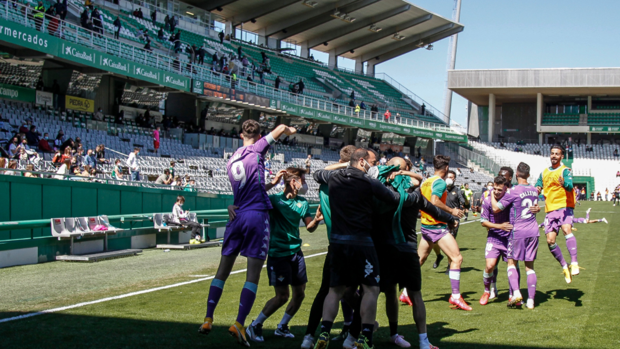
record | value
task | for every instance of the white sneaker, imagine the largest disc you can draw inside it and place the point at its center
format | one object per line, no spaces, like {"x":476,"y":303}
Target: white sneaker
{"x":283,"y":331}
{"x":604,"y":220}
{"x":308,"y":342}
{"x":349,"y":342}
{"x":530,"y":304}
{"x":255,"y":333}
{"x":399,"y":341}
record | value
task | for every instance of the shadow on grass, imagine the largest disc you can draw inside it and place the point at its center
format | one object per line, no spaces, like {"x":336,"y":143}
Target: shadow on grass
{"x":78,"y":331}
{"x":572,"y":295}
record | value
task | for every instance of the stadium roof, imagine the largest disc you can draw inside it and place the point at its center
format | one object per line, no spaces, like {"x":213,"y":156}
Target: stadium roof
{"x":398,"y":26}
{"x":523,"y":85}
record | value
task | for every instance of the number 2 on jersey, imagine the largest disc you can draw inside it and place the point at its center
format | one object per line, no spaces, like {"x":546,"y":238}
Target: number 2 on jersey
{"x":527,"y":203}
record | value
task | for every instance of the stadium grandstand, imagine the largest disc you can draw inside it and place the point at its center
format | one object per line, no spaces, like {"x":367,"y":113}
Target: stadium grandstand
{"x":81,"y":80}
{"x":517,"y":114}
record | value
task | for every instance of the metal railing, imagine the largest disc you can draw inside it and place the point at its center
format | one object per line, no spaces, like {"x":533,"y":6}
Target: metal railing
{"x":18,"y":13}
{"x":397,"y":85}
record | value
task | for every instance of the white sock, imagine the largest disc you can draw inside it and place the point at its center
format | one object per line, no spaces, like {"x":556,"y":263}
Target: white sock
{"x":424,"y":340}
{"x":285,"y":319}
{"x":574,"y":263}
{"x":260,"y":319}
{"x":517,"y":293}
{"x":456,"y":295}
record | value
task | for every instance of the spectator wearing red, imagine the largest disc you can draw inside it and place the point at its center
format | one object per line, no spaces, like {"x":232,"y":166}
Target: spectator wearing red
{"x":66,"y":155}
{"x":387,"y":115}
{"x":156,"y":139}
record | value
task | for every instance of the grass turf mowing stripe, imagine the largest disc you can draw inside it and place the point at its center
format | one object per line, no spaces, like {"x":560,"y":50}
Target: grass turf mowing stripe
{"x":131,"y":294}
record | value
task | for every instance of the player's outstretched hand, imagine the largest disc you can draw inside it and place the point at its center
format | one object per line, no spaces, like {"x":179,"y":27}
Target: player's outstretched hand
{"x":506,"y":226}
{"x":319,"y":214}
{"x":535,"y":209}
{"x":458,"y":213}
{"x":290,"y":130}
{"x":231,"y":211}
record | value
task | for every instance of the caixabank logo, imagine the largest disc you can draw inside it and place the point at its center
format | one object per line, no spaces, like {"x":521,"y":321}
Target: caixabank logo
{"x":174,"y":81}
{"x":146,"y":73}
{"x":109,"y":62}
{"x":78,"y":53}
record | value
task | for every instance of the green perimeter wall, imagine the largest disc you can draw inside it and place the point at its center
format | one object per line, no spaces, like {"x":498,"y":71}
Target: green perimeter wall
{"x":38,"y":198}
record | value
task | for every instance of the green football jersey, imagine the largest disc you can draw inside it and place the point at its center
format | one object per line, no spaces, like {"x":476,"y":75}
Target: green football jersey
{"x":285,"y":216}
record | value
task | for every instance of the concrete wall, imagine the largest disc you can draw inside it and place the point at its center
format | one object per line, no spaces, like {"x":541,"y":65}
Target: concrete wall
{"x":518,"y":122}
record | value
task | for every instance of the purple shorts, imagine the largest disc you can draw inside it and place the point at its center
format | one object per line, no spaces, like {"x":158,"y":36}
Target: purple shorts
{"x":433,"y":235}
{"x":556,"y":219}
{"x":496,"y":247}
{"x":523,"y":249}
{"x":248,"y":235}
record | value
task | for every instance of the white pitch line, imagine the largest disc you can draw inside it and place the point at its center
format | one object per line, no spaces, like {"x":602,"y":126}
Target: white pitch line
{"x":83,"y":304}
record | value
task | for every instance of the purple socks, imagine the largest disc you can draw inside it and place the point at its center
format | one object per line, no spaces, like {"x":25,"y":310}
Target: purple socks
{"x":248,"y":295}
{"x":531,"y":284}
{"x":571,"y":245}
{"x":215,"y":292}
{"x":557,"y":253}
{"x":455,"y":281}
{"x":513,"y":278}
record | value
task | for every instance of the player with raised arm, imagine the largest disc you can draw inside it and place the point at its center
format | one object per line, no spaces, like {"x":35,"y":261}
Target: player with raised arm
{"x":523,"y":240}
{"x":286,"y":265}
{"x":248,"y":233}
{"x":436,"y":232}
{"x":395,"y":239}
{"x":499,"y":228}
{"x":556,"y":185}
{"x":316,"y":311}
{"x":351,"y":195}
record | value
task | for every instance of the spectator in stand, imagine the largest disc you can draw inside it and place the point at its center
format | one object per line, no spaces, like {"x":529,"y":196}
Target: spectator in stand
{"x":33,"y":136}
{"x":30,"y":167}
{"x":66,"y":155}
{"x":164,"y":178}
{"x":12,"y":166}
{"x":99,"y":114}
{"x":277,"y":83}
{"x":397,"y":117}
{"x":352,"y":96}
{"x":154,"y":16}
{"x":44,"y":145}
{"x":52,"y":26}
{"x":181,"y":217}
{"x":598,"y":196}
{"x":160,"y":34}
{"x":616,"y":153}
{"x":120,"y":117}
{"x":14,"y":147}
{"x":132,"y":163}
{"x":177,"y":182}
{"x":117,"y":170}
{"x":147,"y":46}
{"x":90,"y":159}
{"x":387,"y":115}
{"x":156,"y":139}
{"x":167,"y":23}
{"x":63,"y":169}
{"x":84,"y":16}
{"x":118,"y":25}
{"x":423,"y":109}
{"x":95,"y":16}
{"x":363,"y":105}
{"x":357,"y":110}
{"x":173,"y":23}
{"x":100,"y":154}
{"x":202,"y":51}
{"x":191,"y":186}
{"x":57,"y":158}
{"x":302,"y":86}
{"x":39,"y":13}
{"x":61,"y":9}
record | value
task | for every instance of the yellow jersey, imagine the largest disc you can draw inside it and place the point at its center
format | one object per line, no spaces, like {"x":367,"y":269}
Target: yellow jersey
{"x":556,"y":195}
{"x":433,"y":186}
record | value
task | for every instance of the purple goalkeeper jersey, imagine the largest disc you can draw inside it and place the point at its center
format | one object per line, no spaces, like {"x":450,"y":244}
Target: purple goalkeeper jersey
{"x":246,"y":172}
{"x":518,"y":200}
{"x":487,"y":214}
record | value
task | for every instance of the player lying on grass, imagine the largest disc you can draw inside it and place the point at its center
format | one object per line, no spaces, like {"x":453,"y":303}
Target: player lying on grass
{"x":585,"y":220}
{"x":248,"y":233}
{"x":285,"y":265}
{"x":523,"y":239}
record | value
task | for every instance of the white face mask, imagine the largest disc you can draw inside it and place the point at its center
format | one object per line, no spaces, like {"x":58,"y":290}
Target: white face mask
{"x":373,"y":172}
{"x":449,"y":182}
{"x":303,"y":189}
{"x":490,"y":187}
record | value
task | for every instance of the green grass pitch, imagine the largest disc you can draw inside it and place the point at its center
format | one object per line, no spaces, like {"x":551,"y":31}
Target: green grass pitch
{"x":584,"y":314}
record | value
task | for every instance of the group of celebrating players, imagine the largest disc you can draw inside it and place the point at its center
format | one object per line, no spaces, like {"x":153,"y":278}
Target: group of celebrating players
{"x":371,"y":213}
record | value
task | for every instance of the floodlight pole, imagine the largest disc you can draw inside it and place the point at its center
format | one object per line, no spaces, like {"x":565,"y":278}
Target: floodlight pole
{"x":448,"y":103}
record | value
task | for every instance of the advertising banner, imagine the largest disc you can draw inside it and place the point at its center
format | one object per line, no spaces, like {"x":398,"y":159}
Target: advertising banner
{"x":80,"y":104}
{"x":44,"y":98}
{"x":17,"y":93}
